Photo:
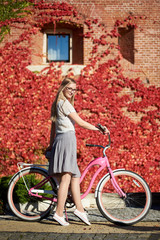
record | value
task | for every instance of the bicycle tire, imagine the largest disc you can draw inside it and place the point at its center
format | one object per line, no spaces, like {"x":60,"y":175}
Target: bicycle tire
{"x":27,"y":207}
{"x":124,"y":210}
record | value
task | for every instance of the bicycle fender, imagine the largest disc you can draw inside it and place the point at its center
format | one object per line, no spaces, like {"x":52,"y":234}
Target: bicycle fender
{"x":116,"y":170}
{"x":27,"y":168}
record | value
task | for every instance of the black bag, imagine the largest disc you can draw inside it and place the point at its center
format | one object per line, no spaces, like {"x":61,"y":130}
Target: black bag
{"x":48,"y":155}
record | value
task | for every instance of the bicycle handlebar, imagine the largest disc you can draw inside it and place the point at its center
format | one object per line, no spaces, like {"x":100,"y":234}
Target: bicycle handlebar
{"x":102,"y":128}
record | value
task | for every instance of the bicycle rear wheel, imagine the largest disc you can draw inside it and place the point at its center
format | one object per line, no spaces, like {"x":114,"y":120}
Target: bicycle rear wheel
{"x":124,"y":210}
{"x":23,"y":205}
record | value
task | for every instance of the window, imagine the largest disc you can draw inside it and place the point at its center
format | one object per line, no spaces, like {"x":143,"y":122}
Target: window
{"x":65,"y":44}
{"x":58,"y":47}
{"x":126,"y":43}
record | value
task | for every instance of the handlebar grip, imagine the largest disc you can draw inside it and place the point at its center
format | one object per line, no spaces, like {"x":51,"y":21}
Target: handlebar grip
{"x":89,"y":145}
{"x":93,"y":145}
{"x":99,"y":126}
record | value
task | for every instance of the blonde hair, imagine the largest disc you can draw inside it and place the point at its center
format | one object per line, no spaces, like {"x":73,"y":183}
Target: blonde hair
{"x":60,"y":96}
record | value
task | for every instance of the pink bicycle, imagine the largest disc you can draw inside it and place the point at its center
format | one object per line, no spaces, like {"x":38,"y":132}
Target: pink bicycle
{"x":123,"y":197}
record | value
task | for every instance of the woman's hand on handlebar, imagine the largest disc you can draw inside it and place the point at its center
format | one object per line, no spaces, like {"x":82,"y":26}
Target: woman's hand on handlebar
{"x":106,"y":130}
{"x":103,"y":129}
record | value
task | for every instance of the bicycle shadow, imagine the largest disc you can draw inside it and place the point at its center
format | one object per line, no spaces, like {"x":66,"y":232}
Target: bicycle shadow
{"x":110,"y":225}
{"x":132,"y":228}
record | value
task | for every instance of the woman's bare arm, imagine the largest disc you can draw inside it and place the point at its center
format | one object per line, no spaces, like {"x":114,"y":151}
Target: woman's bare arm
{"x":75,"y":117}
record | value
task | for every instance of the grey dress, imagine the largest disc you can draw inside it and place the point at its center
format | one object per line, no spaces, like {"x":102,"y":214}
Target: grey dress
{"x":64,"y":149}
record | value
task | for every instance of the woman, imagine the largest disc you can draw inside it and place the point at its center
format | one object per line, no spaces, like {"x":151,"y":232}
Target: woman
{"x":63,"y":160}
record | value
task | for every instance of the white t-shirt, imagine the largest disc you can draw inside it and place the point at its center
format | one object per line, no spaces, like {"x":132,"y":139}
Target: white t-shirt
{"x":63,"y":122}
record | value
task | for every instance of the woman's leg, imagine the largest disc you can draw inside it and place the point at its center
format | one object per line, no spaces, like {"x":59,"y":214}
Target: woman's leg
{"x":75,"y":189}
{"x":79,"y":212}
{"x":62,"y":193}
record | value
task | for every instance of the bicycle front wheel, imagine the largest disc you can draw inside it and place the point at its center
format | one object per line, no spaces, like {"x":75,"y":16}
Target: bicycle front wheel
{"x":24,"y":206}
{"x":124,"y":210}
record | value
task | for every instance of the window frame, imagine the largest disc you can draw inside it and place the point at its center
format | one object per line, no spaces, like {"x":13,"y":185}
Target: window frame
{"x":58,"y":32}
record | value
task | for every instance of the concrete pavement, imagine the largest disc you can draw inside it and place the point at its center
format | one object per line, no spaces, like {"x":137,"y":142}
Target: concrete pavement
{"x":46,"y":230}
{"x":13,"y":229}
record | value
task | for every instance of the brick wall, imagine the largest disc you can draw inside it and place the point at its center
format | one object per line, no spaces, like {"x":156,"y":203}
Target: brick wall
{"x":141,"y":50}
{"x":146,"y":37}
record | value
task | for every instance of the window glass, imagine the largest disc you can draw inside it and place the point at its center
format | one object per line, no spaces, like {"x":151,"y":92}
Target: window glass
{"x":58,"y":47}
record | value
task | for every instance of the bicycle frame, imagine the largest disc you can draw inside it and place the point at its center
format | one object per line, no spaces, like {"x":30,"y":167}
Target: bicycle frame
{"x":102,"y":162}
{"x":35,"y":190}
